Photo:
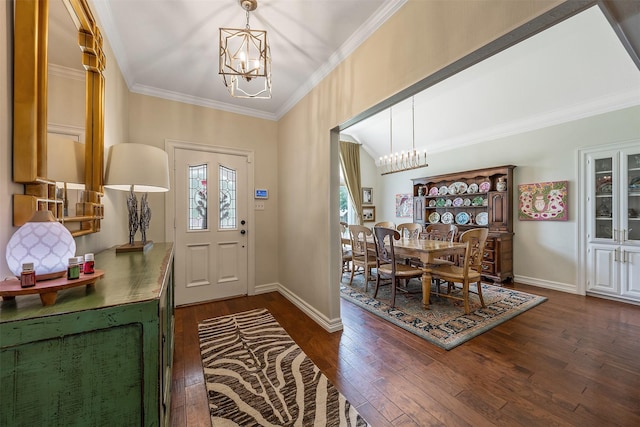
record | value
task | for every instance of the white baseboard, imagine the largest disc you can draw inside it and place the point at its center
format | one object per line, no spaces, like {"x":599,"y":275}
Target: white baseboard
{"x":330,"y":325}
{"x":547,"y":284}
{"x":265,"y":288}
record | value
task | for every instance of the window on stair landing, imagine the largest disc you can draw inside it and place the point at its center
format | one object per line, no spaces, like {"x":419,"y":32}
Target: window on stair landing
{"x":227,"y":185}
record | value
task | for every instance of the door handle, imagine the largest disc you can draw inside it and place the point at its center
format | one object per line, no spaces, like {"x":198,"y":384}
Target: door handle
{"x":243,"y":232}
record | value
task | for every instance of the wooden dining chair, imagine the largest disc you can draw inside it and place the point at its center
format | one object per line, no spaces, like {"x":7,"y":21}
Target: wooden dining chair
{"x":347,"y":254}
{"x":467,"y":272}
{"x":409,"y":229}
{"x":387,"y":224}
{"x":387,"y":266}
{"x":362,"y":257}
{"x":444,"y":232}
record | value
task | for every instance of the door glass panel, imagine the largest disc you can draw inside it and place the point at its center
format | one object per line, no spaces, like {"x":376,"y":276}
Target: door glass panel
{"x":604,"y":197}
{"x":227,"y":184}
{"x":197,"y":197}
{"x":633,"y":200}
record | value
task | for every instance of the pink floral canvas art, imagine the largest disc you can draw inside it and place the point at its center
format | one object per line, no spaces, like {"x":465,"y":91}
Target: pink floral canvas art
{"x":543,"y":201}
{"x":404,"y":205}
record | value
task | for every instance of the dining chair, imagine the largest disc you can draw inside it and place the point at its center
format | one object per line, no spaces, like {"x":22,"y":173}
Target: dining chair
{"x":362,"y":257}
{"x":444,"y":232}
{"x":387,"y":224}
{"x":409,"y":229}
{"x":467,"y":272}
{"x":386,"y":262}
{"x":345,"y":244}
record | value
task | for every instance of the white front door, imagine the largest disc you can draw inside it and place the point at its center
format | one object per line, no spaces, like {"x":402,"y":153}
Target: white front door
{"x":211,"y":260}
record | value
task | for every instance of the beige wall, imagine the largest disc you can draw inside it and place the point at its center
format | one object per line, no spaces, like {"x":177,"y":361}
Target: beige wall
{"x":448,"y":31}
{"x":153,"y":120}
{"x":66,"y":101}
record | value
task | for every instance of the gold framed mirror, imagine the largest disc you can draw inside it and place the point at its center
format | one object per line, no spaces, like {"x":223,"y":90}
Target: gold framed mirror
{"x":30,"y":117}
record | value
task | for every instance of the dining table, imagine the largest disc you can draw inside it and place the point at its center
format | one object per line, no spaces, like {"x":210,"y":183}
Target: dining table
{"x":426,"y":250}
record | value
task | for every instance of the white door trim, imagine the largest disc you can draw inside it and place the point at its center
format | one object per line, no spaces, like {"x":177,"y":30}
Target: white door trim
{"x":170,"y":145}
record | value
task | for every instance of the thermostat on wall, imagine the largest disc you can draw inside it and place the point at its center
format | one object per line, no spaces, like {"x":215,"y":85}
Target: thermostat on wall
{"x":262,"y":193}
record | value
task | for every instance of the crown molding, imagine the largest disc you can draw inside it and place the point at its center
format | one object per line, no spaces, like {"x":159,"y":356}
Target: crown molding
{"x":66,"y":72}
{"x":202,"y":102}
{"x":603,"y":105}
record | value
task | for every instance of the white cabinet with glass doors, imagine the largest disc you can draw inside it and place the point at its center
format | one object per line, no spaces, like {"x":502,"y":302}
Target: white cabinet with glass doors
{"x":613,"y":215}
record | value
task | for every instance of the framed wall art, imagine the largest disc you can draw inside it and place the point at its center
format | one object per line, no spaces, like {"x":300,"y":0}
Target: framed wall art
{"x":367,"y":195}
{"x":543,"y":201}
{"x":369,"y":213}
{"x":404,"y":206}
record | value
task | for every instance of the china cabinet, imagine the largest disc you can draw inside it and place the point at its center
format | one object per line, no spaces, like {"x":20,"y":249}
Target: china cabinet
{"x":471,"y":199}
{"x":101,"y":355}
{"x":613,"y":221}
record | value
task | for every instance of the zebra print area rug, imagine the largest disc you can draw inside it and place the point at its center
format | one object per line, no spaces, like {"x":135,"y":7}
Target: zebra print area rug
{"x":256,"y":375}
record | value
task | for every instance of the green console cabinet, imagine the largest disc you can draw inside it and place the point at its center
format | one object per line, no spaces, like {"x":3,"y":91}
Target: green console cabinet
{"x":100,"y":356}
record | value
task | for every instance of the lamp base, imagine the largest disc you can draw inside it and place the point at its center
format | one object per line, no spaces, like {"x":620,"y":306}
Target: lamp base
{"x":136,"y":247}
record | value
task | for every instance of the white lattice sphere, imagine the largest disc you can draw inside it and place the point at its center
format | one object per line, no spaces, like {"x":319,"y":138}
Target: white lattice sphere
{"x":44,"y":242}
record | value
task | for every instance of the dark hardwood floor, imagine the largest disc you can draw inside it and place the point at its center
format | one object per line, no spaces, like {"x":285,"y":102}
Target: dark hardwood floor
{"x":571,"y":361}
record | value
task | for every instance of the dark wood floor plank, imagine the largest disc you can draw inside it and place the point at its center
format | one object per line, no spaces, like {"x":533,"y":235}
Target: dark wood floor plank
{"x":571,"y":361}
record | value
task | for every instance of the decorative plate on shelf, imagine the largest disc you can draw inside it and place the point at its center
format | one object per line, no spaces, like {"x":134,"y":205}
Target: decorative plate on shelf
{"x":447,"y":218}
{"x":457,"y":188}
{"x":440,"y":203}
{"x":457,"y":202}
{"x":473,"y":188}
{"x":482,"y":218}
{"x":603,"y":185}
{"x":484,"y":186}
{"x":477,"y":201}
{"x":462,"y":218}
{"x":432,"y":203}
{"x":466,"y":201}
{"x":443,"y":190}
{"x":634,"y":184}
{"x":447,"y":203}
{"x":434,"y":217}
{"x":433,"y":191}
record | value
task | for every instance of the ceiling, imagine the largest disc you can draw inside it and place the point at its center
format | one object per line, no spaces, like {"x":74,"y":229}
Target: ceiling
{"x":169,"y":49}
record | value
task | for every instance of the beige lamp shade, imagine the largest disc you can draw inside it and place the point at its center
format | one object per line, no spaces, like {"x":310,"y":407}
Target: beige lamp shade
{"x":142,"y":166}
{"x":65,"y":161}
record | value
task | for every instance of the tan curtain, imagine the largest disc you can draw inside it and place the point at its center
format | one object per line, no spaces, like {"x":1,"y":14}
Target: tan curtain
{"x":350,"y":163}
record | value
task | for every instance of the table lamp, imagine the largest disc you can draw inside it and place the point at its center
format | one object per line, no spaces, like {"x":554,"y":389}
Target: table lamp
{"x":137,"y":167}
{"x":65,"y":165}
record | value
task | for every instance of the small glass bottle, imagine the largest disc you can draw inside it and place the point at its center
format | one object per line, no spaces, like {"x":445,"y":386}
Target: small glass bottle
{"x":73,"y":271}
{"x":80,"y":263}
{"x":28,"y":275}
{"x":88,"y":264}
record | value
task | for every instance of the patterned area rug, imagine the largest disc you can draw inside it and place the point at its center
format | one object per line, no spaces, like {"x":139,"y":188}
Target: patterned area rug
{"x":257,"y":376}
{"x":444,"y":323}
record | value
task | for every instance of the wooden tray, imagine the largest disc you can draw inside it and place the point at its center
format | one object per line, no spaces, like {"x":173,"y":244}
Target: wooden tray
{"x":47,"y":289}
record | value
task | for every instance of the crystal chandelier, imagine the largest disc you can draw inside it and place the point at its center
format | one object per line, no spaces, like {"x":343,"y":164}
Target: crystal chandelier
{"x":400,"y":162}
{"x":245,"y":59}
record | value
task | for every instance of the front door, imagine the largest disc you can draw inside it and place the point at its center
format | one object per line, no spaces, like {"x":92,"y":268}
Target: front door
{"x":211,"y":259}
